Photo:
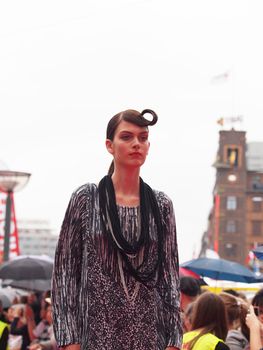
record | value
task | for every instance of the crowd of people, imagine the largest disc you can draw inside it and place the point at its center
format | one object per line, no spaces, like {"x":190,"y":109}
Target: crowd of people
{"x":225,"y":321}
{"x":27,"y":323}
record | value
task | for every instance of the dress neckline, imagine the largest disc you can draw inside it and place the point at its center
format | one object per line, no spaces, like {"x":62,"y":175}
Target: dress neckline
{"x":121,"y":206}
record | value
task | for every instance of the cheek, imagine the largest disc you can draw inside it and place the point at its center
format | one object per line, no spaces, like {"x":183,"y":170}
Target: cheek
{"x":120,"y":150}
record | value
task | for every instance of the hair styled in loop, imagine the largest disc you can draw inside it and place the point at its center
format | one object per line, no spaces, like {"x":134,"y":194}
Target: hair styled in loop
{"x":131,"y":116}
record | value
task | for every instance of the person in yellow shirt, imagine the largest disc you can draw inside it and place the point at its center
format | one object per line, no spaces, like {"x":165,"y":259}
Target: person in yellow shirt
{"x":4,"y":334}
{"x":209,"y":324}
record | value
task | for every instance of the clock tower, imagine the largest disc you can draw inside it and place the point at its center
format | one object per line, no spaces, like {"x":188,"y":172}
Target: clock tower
{"x":235,"y":222}
{"x":229,"y":210}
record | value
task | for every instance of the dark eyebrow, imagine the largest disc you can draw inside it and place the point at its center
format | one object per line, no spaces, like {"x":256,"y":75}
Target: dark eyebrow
{"x":129,"y":132}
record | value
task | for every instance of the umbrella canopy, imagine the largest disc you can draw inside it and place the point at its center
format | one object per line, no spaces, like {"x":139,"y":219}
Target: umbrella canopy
{"x":220,"y":269}
{"x":258,"y":252}
{"x":7,"y":296}
{"x":27,"y":268}
{"x":185,"y":272}
{"x":36,"y":285}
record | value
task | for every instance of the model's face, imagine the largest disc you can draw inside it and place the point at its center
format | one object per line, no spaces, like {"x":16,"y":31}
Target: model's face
{"x":130,"y":145}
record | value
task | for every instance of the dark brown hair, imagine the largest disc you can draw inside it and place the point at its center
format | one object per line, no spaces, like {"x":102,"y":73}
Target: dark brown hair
{"x":258,"y":298}
{"x":233,"y":307}
{"x":209,"y":314}
{"x":131,"y":116}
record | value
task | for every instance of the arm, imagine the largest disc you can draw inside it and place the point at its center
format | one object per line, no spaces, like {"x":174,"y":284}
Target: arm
{"x":67,"y":274}
{"x":30,"y":321}
{"x":254,"y":329}
{"x":170,"y":285}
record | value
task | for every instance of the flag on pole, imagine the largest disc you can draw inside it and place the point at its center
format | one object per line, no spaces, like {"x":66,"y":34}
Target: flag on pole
{"x":220,"y":78}
{"x":220,"y":121}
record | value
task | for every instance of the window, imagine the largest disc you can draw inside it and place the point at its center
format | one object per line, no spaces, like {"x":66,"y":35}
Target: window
{"x":232,"y":156}
{"x":231,"y":226}
{"x":256,"y":201}
{"x":256,"y":228}
{"x":230,"y":249}
{"x":231,"y":203}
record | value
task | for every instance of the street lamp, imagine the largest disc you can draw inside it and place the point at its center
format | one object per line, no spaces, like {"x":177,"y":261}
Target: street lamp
{"x":10,"y":181}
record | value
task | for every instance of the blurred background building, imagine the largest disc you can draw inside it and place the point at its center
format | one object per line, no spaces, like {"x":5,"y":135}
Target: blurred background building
{"x":235,"y":222}
{"x":36,"y":238}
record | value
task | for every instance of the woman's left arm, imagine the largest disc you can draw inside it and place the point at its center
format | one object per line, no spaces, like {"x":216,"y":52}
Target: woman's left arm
{"x":171,"y":282}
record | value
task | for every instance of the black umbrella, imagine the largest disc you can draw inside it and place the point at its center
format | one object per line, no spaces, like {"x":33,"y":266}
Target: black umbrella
{"x":7,"y":297}
{"x":27,"y":268}
{"x":36,"y":285}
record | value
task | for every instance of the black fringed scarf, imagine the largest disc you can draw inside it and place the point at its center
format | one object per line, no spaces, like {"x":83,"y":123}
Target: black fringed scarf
{"x":116,"y":241}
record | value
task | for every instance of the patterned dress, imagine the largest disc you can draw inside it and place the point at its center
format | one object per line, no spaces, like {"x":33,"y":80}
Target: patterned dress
{"x":95,"y":302}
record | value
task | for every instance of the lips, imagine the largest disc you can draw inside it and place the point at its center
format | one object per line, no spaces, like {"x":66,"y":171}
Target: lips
{"x":138,"y":154}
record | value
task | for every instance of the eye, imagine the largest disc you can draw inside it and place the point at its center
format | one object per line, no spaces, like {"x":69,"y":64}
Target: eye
{"x":125,"y":137}
{"x":144,"y":138}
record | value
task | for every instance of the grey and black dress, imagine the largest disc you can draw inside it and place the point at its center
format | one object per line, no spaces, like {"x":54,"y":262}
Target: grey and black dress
{"x":95,"y":302}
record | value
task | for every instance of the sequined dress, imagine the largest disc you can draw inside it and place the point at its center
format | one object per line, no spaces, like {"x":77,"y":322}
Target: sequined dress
{"x":95,"y":302}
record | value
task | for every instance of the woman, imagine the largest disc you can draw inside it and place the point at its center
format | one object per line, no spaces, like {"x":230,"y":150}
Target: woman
{"x":255,"y":329}
{"x":254,"y":321}
{"x":209,"y":324}
{"x":235,"y":339}
{"x":115,"y":281}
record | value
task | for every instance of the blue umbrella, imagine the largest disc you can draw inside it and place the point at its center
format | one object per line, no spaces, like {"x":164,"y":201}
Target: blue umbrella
{"x":258,"y":252}
{"x":220,"y":269}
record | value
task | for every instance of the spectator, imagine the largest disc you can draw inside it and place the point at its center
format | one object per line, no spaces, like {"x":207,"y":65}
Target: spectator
{"x":3,"y":317}
{"x":255,"y":327}
{"x":190,"y":289}
{"x":188,"y":317}
{"x":19,"y":325}
{"x":50,"y":343}
{"x":4,"y":334}
{"x":235,"y":339}
{"x":209,"y":325}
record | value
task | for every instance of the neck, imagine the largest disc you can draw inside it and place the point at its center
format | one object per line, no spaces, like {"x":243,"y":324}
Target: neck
{"x":127,"y":186}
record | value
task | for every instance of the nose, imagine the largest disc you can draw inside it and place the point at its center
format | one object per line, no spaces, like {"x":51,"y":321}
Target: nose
{"x":136,"y":143}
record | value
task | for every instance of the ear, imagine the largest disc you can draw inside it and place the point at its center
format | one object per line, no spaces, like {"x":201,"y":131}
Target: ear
{"x":109,"y":146}
{"x":148,"y":147}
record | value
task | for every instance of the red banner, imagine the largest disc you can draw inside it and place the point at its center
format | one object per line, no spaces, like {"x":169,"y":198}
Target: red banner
{"x":14,"y":243}
{"x":216,"y":222}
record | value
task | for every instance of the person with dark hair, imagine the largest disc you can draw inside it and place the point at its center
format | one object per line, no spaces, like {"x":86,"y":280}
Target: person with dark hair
{"x":254,"y":320}
{"x":209,"y":324}
{"x":257,"y":303}
{"x":3,"y":317}
{"x":115,"y":283}
{"x":190,"y":289}
{"x":235,"y":339}
{"x":188,"y":317}
{"x":255,"y":329}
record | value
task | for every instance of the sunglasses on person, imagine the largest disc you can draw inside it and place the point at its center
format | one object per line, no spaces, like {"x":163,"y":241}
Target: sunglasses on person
{"x":258,"y":310}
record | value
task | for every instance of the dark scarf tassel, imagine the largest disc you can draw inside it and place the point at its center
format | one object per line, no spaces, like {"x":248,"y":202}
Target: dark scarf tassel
{"x":109,"y":216}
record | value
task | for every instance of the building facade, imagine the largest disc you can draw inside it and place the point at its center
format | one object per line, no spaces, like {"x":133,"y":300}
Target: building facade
{"x":235,"y":222}
{"x":36,"y":238}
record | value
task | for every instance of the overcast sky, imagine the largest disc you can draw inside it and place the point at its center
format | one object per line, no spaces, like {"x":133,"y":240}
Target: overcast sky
{"x":66,"y":67}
